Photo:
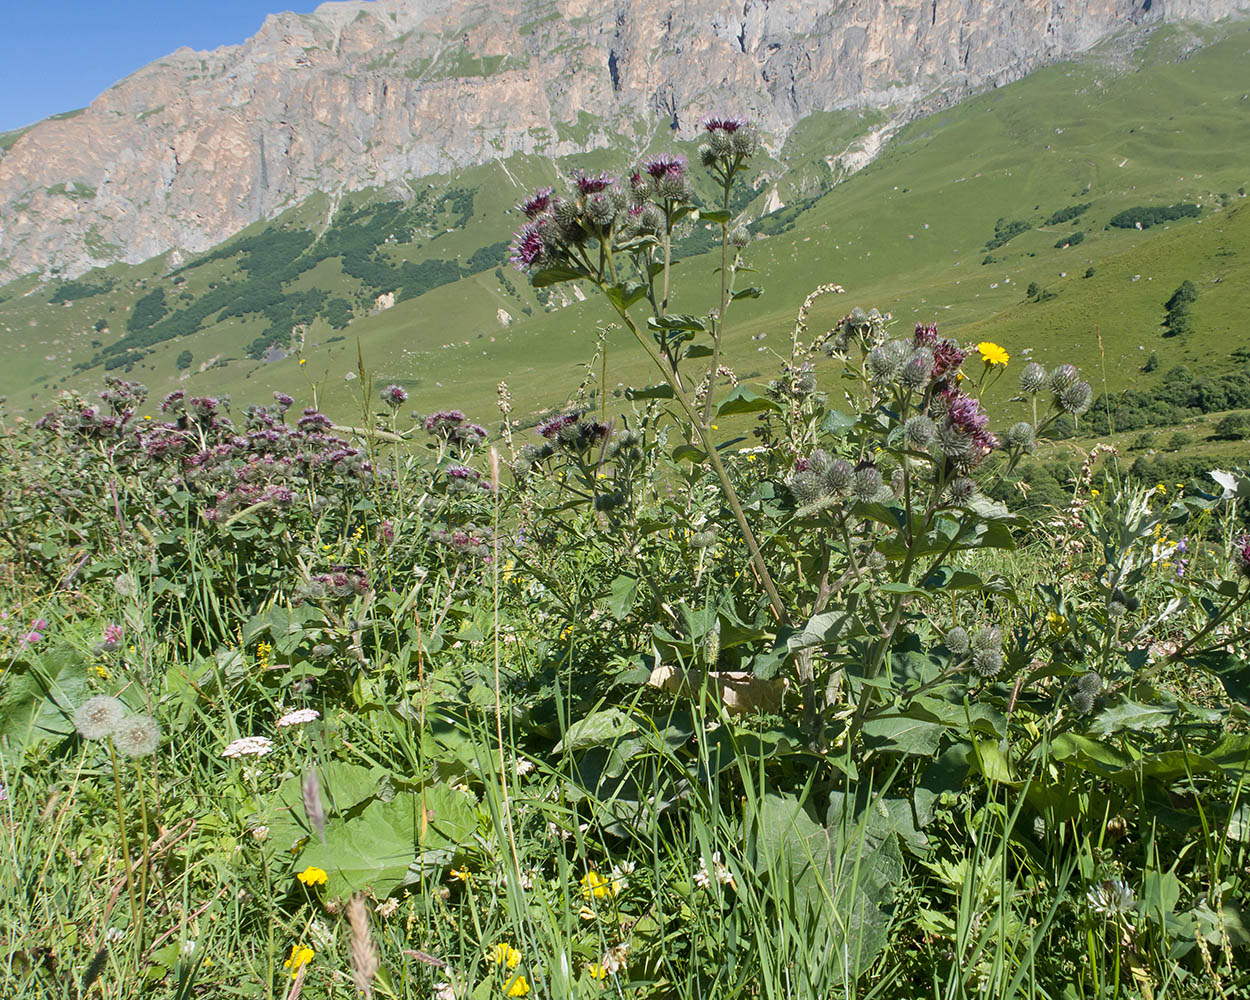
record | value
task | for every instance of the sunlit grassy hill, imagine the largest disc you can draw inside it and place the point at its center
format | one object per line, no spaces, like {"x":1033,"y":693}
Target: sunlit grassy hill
{"x":1040,"y":167}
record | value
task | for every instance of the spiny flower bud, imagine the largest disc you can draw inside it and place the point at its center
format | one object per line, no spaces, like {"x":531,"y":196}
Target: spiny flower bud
{"x":987,"y":662}
{"x":918,"y":431}
{"x":958,"y":641}
{"x":1090,"y":683}
{"x":885,"y":360}
{"x":721,"y":144}
{"x":1032,"y":378}
{"x":988,"y":638}
{"x":875,"y":561}
{"x":961,"y":490}
{"x":1076,"y":398}
{"x":918,"y":368}
{"x":1020,"y":436}
{"x":954,"y":443}
{"x":739,"y":237}
{"x":1082,"y":702}
{"x":1062,"y":377}
{"x":838,"y":476}
{"x":867,"y":483}
{"x":806,"y":487}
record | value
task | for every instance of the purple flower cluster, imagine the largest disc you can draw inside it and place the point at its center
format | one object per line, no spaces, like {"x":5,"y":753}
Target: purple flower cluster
{"x":727,"y":125}
{"x":537,"y":204}
{"x":395,"y":395}
{"x":452,"y":425}
{"x":1241,"y":554}
{"x":341,"y":583}
{"x":467,"y":541}
{"x":947,"y":356}
{"x":587,"y":185}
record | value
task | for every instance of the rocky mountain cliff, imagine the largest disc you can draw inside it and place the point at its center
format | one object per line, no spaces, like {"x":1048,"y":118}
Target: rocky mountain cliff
{"x":194,"y":147}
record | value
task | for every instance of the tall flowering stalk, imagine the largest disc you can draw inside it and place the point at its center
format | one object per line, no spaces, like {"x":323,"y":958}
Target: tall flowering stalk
{"x":620,"y":239}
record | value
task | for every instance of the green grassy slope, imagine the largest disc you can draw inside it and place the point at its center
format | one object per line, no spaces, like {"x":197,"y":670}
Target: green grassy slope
{"x":908,"y":234}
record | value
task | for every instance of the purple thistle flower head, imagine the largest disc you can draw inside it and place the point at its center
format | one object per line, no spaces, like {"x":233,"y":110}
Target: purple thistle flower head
{"x":592,"y":185}
{"x":443,"y":421}
{"x":727,"y":125}
{"x":528,"y":245}
{"x":947,"y":357}
{"x":1241,"y":554}
{"x":665,"y":165}
{"x":395,"y":395}
{"x":926,"y":335}
{"x":539,"y":203}
{"x":461,"y":472}
{"x":551,"y":427}
{"x":284,"y":401}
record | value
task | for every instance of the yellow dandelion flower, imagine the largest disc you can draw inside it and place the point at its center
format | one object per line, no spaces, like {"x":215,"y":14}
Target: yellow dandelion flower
{"x":992,"y":354}
{"x":504,"y":955}
{"x":303,"y":361}
{"x":517,"y":987}
{"x":312,"y":875}
{"x":300,"y":956}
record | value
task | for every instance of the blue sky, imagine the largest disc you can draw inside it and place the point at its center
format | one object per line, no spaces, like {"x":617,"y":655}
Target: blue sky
{"x":57,"y":55}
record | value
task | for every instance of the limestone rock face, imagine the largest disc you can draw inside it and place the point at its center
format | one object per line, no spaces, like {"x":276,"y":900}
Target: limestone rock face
{"x":190,"y":149}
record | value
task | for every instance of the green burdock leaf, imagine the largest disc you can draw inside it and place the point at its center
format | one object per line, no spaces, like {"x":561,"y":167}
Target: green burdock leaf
{"x":39,"y":696}
{"x":743,"y":400}
{"x":554,"y":276}
{"x":377,"y":849}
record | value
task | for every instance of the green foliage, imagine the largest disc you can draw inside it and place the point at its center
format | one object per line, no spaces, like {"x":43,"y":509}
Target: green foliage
{"x":183,"y":361}
{"x":1234,"y":427}
{"x":1005,"y":231}
{"x":70,"y":291}
{"x":1145,"y":216}
{"x":1075,"y":239}
{"x":147,"y":311}
{"x":1067,"y":214}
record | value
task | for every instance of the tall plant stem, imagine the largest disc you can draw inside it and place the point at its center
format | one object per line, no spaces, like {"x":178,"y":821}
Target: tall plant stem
{"x":121,"y":823}
{"x":724,"y":306}
{"x":727,"y":487}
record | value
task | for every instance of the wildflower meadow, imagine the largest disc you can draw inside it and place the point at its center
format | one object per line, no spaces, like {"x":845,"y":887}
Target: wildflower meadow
{"x":778,"y":689}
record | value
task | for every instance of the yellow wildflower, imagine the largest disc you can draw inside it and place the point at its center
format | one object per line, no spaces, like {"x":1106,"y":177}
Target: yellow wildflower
{"x":1058,"y":624}
{"x":101,"y":672}
{"x":300,"y":956}
{"x":597,"y":971}
{"x":517,"y":987}
{"x":312,"y":875}
{"x":992,"y":354}
{"x":504,"y":955}
{"x":1094,"y":493}
{"x":303,"y":361}
{"x":596,"y":886}
{"x":1161,"y":490}
{"x":463,"y":874}
{"x":264,"y":655}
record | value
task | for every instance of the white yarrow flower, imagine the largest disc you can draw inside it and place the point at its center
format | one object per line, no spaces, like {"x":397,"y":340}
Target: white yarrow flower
{"x":249,"y":746}
{"x":299,"y":717}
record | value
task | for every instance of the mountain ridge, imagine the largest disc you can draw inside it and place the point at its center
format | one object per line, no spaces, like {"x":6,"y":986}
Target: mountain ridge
{"x":191,"y":149}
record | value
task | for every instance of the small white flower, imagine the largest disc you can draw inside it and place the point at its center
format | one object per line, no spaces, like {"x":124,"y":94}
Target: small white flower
{"x":613,"y":960}
{"x":299,"y":717}
{"x":114,"y":934}
{"x":524,"y":767}
{"x":249,"y":746}
{"x":187,"y":949}
{"x":388,"y":908}
{"x":260,"y":832}
{"x":620,"y":875}
{"x":1112,"y":898}
{"x":703,"y":878}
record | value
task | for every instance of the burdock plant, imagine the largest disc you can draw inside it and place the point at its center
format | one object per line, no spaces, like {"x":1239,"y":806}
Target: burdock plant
{"x":619,"y":238}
